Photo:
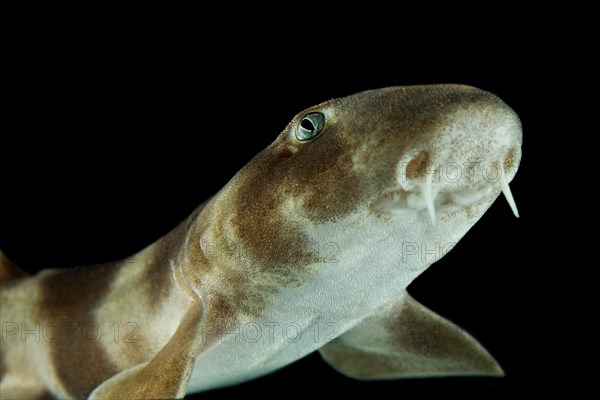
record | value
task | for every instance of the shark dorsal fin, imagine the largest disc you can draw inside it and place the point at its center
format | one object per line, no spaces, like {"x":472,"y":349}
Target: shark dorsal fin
{"x":9,"y":270}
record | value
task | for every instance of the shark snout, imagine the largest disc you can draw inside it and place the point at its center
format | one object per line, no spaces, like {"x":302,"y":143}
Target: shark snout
{"x":462,"y":161}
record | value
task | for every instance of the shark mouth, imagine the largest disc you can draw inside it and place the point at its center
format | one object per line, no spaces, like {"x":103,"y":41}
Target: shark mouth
{"x":437,"y":192}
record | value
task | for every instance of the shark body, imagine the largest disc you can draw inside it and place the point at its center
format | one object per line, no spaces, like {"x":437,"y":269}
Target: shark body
{"x":315,"y":239}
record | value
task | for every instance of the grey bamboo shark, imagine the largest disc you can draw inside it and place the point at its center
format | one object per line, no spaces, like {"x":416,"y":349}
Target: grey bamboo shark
{"x":309,"y":247}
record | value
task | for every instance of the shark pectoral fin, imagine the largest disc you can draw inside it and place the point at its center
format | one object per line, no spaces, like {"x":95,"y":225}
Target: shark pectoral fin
{"x":406,"y":340}
{"x":166,"y":375}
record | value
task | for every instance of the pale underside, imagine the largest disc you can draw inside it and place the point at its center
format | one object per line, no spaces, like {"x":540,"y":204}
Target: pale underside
{"x":295,"y":324}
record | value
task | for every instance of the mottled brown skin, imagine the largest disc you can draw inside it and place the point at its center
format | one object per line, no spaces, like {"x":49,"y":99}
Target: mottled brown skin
{"x":69,"y":299}
{"x":257,"y":220}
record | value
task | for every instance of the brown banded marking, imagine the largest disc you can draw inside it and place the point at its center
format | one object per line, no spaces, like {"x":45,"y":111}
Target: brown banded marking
{"x":70,"y":296}
{"x":74,"y":296}
{"x":227,"y":282}
{"x":154,"y":263}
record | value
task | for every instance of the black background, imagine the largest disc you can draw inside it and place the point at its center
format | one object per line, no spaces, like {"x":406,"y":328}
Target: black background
{"x":113,"y":136}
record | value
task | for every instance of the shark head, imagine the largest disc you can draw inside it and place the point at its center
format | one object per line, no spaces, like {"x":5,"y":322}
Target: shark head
{"x":361,"y":194}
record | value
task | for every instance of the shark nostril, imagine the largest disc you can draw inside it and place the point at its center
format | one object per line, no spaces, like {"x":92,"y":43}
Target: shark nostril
{"x":417,"y":167}
{"x":512,"y":158}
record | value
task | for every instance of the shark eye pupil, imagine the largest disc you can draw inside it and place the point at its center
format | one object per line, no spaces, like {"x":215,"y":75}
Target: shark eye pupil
{"x":307,"y":124}
{"x":310,"y":126}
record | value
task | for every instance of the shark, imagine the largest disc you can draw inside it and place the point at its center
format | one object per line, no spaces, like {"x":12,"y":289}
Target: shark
{"x":309,"y":247}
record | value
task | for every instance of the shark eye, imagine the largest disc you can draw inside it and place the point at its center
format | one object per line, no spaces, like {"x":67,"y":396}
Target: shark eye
{"x":310,"y":126}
